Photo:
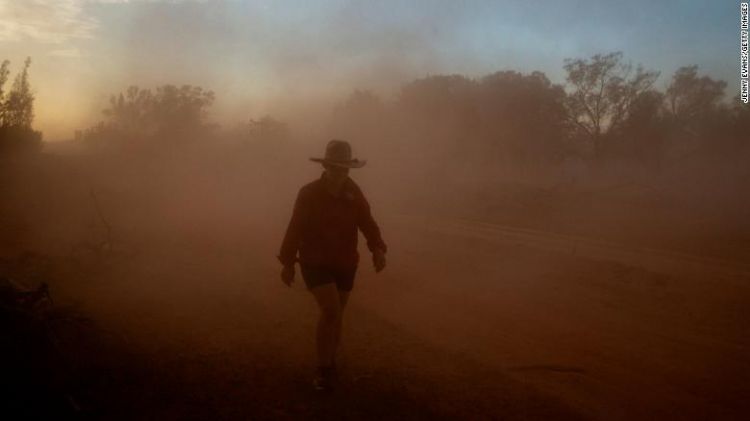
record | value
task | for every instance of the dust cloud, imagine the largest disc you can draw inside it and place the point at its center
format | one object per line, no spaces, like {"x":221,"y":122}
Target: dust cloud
{"x":535,"y":268}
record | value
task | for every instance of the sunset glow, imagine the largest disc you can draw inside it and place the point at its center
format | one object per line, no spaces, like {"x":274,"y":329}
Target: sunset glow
{"x":258,"y":54}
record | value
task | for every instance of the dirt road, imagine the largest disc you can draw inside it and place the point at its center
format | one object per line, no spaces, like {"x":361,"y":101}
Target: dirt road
{"x":468,"y":321}
{"x":615,"y":332}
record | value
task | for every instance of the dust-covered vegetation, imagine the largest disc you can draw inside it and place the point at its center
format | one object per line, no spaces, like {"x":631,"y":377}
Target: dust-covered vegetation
{"x":478,"y":148}
{"x":604,"y":156}
{"x":17,"y":112}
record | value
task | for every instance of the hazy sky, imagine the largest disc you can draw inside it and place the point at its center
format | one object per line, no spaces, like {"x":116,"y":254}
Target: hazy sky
{"x":278,"y":56}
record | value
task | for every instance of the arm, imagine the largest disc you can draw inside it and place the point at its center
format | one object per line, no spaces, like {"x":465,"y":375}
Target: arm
{"x":288,"y":252}
{"x":369,"y":227}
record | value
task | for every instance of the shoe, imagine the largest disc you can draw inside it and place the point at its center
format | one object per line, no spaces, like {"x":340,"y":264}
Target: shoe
{"x":325,"y":379}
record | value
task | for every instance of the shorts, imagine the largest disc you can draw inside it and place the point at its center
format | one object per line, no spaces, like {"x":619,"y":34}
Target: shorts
{"x":316,"y":275}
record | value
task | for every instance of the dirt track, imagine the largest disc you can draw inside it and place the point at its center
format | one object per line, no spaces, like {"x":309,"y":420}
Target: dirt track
{"x":596,"y":324}
{"x":467,"y":321}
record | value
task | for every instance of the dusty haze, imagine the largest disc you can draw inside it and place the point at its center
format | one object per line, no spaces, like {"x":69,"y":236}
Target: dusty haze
{"x":561,"y":290}
{"x":542,"y":263}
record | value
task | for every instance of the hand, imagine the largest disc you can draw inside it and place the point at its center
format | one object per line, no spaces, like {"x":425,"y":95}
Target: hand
{"x":287,"y":275}
{"x":378,"y":260}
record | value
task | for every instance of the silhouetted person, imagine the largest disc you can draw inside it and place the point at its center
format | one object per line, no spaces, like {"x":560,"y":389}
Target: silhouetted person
{"x":323,"y":228}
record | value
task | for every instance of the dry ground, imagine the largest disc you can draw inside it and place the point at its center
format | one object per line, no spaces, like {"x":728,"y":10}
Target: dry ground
{"x":468,"y":321}
{"x":559,"y":304}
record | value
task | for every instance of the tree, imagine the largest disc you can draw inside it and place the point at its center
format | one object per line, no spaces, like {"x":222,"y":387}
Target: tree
{"x":181,"y":109}
{"x":524,"y":114}
{"x":602,"y":92}
{"x":644,"y":131}
{"x":4,"y":73}
{"x":700,"y":122}
{"x":131,"y":111}
{"x":441,"y":110}
{"x":362,"y":115}
{"x":17,"y":111}
{"x":19,"y":106}
{"x":445,"y":98}
{"x":140,"y":115}
{"x":267,"y":129}
{"x":692,"y":100}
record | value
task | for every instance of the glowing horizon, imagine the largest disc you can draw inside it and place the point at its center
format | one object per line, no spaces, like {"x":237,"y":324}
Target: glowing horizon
{"x":260,"y":56}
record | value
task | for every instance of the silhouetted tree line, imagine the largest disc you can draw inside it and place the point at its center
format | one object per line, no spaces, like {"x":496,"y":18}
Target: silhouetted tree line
{"x":17,"y":112}
{"x":607,"y":110}
{"x":142,"y":117}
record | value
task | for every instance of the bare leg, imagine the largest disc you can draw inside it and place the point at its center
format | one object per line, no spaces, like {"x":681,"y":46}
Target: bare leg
{"x":329,"y":323}
{"x":343,"y":298}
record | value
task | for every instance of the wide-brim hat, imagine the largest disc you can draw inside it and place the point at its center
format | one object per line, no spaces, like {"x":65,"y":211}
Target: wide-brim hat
{"x":339,"y":153}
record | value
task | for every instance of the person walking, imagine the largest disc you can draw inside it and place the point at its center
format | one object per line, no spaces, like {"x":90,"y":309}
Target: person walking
{"x":323,"y":229}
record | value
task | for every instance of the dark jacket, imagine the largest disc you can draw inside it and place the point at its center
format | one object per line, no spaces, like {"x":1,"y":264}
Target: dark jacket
{"x":323,"y":227}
